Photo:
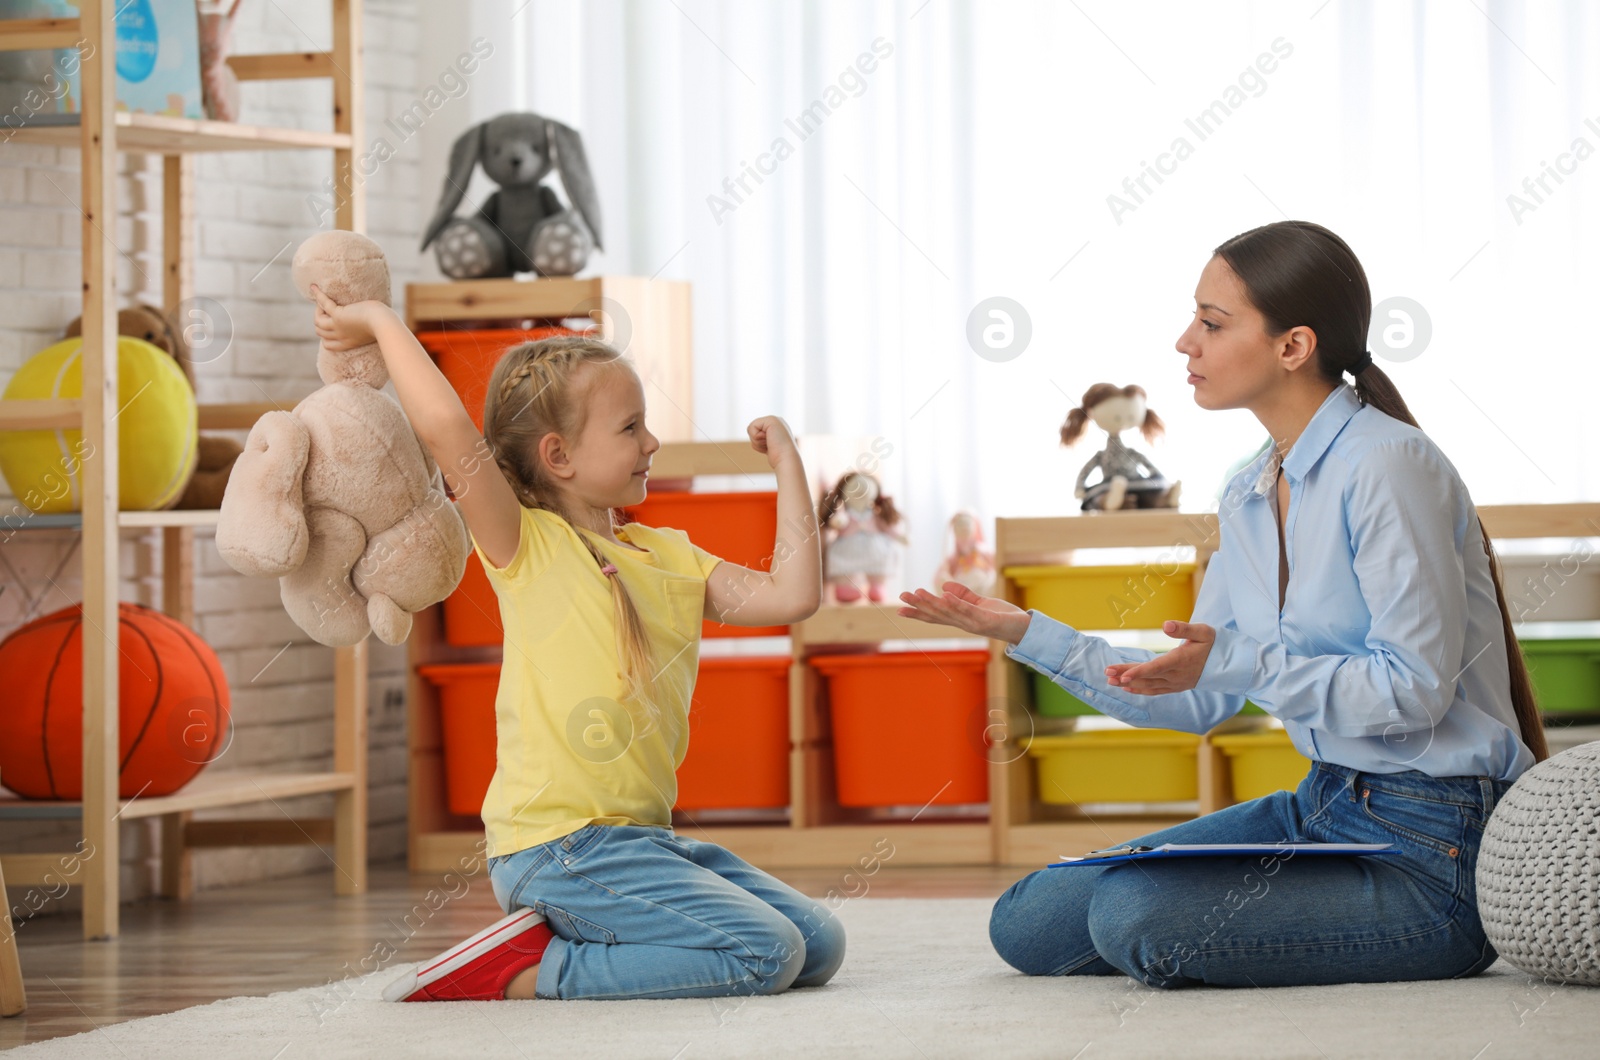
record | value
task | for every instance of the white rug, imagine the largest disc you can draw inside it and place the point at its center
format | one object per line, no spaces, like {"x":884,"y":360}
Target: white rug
{"x":919,"y":980}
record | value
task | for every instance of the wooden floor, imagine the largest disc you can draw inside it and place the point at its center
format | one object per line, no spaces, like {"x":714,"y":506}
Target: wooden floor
{"x":287,"y":934}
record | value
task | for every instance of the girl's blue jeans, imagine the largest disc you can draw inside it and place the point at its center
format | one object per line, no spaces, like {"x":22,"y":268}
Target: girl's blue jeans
{"x":642,"y":912}
{"x":1276,"y":920}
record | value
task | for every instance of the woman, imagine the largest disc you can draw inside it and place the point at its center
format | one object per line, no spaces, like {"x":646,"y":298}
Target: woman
{"x":1355,"y":596}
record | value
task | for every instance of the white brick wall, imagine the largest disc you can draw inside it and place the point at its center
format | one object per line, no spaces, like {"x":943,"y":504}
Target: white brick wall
{"x":252,"y":209}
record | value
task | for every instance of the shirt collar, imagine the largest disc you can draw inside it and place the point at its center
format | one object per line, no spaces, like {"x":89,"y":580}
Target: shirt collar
{"x":1326,"y":423}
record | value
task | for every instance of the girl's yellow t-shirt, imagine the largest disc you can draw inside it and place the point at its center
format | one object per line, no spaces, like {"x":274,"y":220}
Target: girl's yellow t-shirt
{"x":570,"y":752}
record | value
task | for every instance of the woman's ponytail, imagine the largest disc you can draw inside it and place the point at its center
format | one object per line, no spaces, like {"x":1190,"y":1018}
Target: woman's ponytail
{"x":1375,"y":388}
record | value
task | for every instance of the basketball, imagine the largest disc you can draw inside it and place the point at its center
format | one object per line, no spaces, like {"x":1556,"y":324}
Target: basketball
{"x":173,"y":705}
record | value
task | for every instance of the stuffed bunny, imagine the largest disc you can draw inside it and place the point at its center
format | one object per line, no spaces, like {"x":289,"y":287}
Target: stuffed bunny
{"x":1127,"y":479}
{"x":522,"y":227}
{"x":339,"y":498}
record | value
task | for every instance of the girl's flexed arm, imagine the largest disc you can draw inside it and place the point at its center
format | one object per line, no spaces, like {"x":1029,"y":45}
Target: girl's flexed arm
{"x":483,"y":496}
{"x":793,"y":590}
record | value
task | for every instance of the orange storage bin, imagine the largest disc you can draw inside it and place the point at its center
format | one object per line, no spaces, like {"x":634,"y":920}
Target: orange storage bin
{"x":467,"y":357}
{"x":739,"y":527}
{"x":472,"y":612}
{"x":466,"y":715}
{"x":738,"y":736}
{"x":908,"y":727}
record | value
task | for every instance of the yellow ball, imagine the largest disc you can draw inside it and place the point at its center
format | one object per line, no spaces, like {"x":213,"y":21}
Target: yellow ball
{"x":157,"y":430}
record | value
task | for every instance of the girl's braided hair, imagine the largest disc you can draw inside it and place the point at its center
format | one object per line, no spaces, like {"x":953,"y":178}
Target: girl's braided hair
{"x":536,"y":389}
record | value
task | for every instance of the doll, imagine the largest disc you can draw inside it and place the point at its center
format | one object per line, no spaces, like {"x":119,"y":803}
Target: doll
{"x":967,"y":562}
{"x":1127,"y":479}
{"x":219,"y":85}
{"x":861,"y":537}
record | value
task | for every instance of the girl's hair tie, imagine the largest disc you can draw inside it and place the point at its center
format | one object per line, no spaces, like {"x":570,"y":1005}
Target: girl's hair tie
{"x":608,"y":570}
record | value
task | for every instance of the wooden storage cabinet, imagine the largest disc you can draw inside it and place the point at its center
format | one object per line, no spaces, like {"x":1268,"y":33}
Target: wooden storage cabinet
{"x":1020,"y":829}
{"x":818,"y":831}
{"x":101,"y":132}
{"x":1027,"y":831}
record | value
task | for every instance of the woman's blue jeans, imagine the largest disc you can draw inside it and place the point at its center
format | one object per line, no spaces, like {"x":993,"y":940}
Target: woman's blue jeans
{"x":643,"y":912}
{"x":1276,"y":920}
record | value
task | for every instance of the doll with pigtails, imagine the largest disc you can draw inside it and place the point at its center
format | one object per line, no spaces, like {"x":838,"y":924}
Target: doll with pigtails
{"x":1127,"y":479}
{"x":862,"y":538}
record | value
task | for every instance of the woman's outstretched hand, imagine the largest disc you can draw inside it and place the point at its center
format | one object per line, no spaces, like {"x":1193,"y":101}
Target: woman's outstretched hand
{"x":964,"y":609}
{"x":1177,"y":670}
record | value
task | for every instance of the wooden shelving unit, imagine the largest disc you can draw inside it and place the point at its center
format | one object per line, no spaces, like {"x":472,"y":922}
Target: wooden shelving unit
{"x":823,"y":832}
{"x":158,"y":134}
{"x":101,"y":133}
{"x":818,"y":831}
{"x":1027,"y":832}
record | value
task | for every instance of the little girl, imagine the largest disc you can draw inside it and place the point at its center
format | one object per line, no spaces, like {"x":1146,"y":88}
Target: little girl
{"x":602,"y":637}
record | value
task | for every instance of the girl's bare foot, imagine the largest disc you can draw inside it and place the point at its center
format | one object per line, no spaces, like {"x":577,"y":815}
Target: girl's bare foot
{"x":521,"y":988}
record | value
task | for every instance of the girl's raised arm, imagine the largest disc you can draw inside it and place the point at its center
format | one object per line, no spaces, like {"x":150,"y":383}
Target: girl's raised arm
{"x":483,"y":496}
{"x":792,"y":591}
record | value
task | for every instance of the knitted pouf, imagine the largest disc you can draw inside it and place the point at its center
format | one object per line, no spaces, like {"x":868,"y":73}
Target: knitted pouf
{"x":1539,"y":869}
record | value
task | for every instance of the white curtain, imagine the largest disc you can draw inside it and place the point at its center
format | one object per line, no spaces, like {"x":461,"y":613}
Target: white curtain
{"x":844,"y":182}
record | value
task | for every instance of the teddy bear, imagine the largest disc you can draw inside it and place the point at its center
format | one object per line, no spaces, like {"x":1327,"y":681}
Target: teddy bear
{"x":1127,"y":479}
{"x":523,"y":227}
{"x":339,"y":499}
{"x":216,"y":452}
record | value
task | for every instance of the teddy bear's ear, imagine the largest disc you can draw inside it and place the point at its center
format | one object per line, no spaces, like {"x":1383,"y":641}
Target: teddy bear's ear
{"x":145,"y":321}
{"x":464,"y":155}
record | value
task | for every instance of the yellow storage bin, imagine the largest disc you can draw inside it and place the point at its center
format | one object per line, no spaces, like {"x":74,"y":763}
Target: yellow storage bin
{"x":1125,"y":596}
{"x":1117,"y":765}
{"x":1262,"y":762}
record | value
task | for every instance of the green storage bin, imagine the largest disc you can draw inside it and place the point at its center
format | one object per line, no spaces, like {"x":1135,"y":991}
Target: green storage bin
{"x":1050,"y":700}
{"x":1565,"y":674}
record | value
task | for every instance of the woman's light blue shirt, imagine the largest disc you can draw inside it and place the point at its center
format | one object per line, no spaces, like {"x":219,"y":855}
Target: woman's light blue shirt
{"x":1389,"y":653}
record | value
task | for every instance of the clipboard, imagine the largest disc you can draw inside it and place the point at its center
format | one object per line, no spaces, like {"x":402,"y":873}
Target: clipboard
{"x":1112,"y":855}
